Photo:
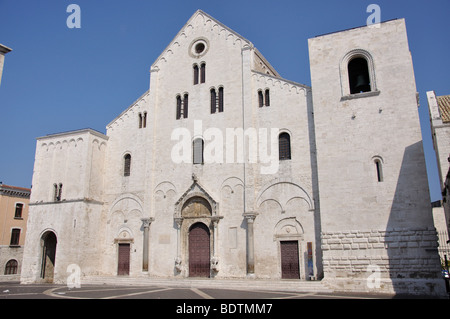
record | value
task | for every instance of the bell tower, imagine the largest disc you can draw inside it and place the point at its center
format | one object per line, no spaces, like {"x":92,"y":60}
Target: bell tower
{"x":377,"y":227}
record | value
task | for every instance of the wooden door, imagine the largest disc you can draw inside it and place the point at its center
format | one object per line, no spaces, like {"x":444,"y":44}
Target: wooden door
{"x":199,"y":251}
{"x":289,"y":260}
{"x":123,"y":267}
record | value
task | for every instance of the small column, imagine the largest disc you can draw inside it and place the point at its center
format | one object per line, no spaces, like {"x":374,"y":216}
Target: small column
{"x":215,"y":258}
{"x":146,"y":224}
{"x":250,"y":216}
{"x":178,"y":261}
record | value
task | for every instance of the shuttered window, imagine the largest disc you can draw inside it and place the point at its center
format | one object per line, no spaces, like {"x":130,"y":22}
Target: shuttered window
{"x":284,"y":146}
{"x":185,"y":105}
{"x":198,"y":151}
{"x":221,"y":99}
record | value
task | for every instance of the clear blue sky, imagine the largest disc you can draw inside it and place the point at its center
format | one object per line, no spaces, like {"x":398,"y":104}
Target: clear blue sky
{"x":59,"y":79}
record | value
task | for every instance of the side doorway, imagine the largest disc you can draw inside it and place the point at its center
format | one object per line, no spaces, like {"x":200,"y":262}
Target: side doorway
{"x":123,"y":260}
{"x":49,"y":242}
{"x":290,"y":266}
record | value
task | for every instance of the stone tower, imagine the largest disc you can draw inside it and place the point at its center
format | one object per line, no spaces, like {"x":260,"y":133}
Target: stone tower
{"x":376,"y":221}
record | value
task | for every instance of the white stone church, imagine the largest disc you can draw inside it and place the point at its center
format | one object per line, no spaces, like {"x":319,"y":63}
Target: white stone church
{"x":224,"y":169}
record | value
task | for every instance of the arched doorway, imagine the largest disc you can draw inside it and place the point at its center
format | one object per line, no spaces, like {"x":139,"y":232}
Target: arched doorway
{"x":48,"y":256}
{"x":199,"y":250}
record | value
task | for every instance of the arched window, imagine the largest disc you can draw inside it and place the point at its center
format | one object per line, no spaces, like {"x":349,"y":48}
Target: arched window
{"x":267,"y":96}
{"x":216,"y":103}
{"x":358,"y":74}
{"x":221,"y":99}
{"x":198,"y":151}
{"x":182,"y":106}
{"x":144,"y":120}
{"x":284,"y":146}
{"x":55,"y":192}
{"x":213,"y":100}
{"x":185,"y":105}
{"x":203,"y":73}
{"x":260,"y":98}
{"x":379,"y":169}
{"x":178,"y":107}
{"x":11,"y":267}
{"x":60,"y":191}
{"x":127,"y":165}
{"x":195,"y":74}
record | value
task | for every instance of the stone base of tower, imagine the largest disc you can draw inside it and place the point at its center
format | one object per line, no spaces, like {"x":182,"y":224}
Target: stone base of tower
{"x":394,"y":261}
{"x":434,"y":288}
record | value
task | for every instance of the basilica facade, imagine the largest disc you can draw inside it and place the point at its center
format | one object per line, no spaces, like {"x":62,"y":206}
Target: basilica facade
{"x":224,"y":169}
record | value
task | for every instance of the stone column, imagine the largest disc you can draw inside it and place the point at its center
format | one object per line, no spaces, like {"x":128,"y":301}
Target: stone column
{"x":250,"y":216}
{"x":146,"y":224}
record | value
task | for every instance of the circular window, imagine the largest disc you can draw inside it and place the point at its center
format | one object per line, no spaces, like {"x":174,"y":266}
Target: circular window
{"x":198,"y":47}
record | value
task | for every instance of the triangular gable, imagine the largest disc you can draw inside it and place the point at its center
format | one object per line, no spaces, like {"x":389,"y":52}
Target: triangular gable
{"x":195,"y":190}
{"x":206,"y":18}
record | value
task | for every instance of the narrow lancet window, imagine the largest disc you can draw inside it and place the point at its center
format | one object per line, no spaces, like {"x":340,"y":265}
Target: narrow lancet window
{"x":379,"y":170}
{"x":267,"y":96}
{"x":203,"y":73}
{"x":127,"y":165}
{"x":195,"y":74}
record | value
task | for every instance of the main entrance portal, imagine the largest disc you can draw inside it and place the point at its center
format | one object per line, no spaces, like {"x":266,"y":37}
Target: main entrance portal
{"x":199,"y":251}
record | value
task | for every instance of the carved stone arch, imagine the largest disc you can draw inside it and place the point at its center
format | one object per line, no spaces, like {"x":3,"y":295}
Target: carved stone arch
{"x":124,"y":235}
{"x":195,"y":190}
{"x":164,"y":189}
{"x":196,"y":206}
{"x":269,"y":191}
{"x":274,"y":201}
{"x":126,"y":204}
{"x":288,"y":229}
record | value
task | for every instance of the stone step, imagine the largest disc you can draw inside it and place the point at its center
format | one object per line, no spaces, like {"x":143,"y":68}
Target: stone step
{"x":238,"y":284}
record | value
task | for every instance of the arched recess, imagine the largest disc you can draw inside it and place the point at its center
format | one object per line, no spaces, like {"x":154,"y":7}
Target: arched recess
{"x":48,"y":243}
{"x":283,"y":191}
